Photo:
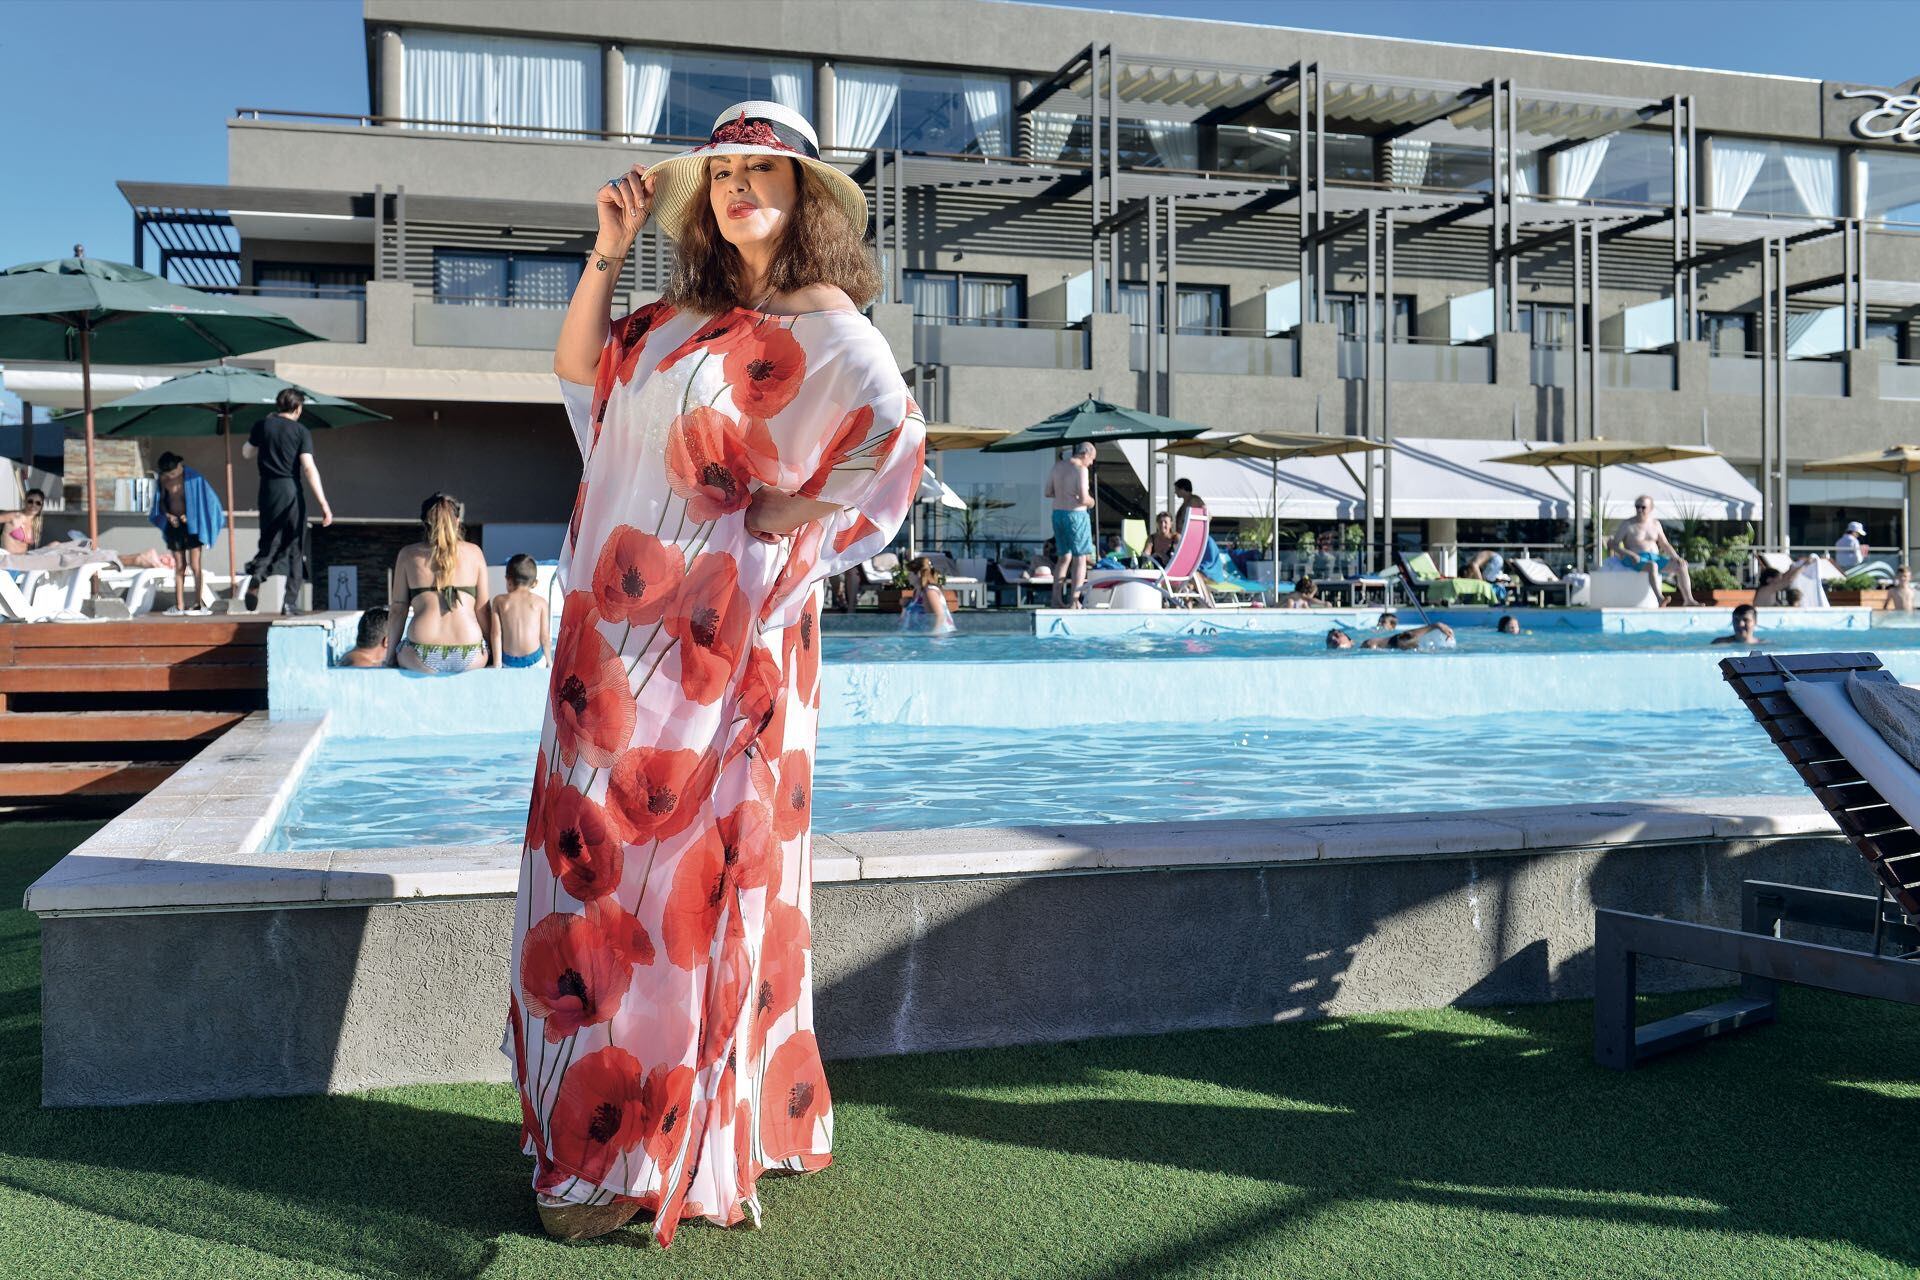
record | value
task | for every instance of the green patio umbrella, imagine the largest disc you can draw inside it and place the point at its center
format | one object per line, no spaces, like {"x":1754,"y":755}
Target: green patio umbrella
{"x":83,"y":309}
{"x":1094,"y":420}
{"x":212,"y":402}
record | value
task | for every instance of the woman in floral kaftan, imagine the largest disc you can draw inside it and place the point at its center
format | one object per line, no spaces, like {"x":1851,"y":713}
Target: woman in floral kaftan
{"x":743,"y":437}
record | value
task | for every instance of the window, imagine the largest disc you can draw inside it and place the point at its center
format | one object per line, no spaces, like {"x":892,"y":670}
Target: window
{"x":502,"y":84}
{"x":1633,"y":167}
{"x":1757,"y":176}
{"x":1892,"y":185}
{"x":953,"y":297}
{"x":1889,"y":337}
{"x":682,"y":93}
{"x":1346,"y":310}
{"x":1728,"y":333}
{"x":1248,"y":149}
{"x":1144,"y":144}
{"x":950,"y":112}
{"x":495,"y":278}
{"x":296,"y":280}
{"x":1203,"y":307}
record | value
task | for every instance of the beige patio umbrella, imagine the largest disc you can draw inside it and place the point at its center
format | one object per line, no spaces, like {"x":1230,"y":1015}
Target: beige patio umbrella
{"x":943,"y":437}
{"x":1596,"y":455}
{"x":1277,"y":447}
{"x":1902,"y":460}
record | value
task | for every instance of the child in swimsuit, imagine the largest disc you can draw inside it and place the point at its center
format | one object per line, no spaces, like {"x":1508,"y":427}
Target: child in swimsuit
{"x":519,"y":620}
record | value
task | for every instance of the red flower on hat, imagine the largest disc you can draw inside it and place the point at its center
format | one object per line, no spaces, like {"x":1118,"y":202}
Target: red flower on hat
{"x":709,"y":619}
{"x":741,"y":131}
{"x":591,"y":704}
{"x":602,"y":1112}
{"x":793,"y":799}
{"x":569,"y":976}
{"x":765,"y":368}
{"x":636,"y":576}
{"x":707,"y":464}
{"x":583,"y":845}
{"x":793,"y":1098}
{"x":654,"y":793}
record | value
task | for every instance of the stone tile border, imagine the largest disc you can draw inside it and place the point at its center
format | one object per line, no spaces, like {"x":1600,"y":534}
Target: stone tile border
{"x":194,"y":842}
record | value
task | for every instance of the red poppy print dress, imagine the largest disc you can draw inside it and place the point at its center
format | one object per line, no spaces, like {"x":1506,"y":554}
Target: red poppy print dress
{"x":661,"y":1016}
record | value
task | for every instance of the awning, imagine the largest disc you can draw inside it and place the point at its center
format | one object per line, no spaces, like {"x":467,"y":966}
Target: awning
{"x":58,"y":387}
{"x":1439,"y":479}
{"x":379,"y":382}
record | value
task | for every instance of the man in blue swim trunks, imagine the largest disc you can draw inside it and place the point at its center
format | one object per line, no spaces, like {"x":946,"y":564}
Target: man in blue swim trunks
{"x":1641,"y":543}
{"x":1070,"y":489}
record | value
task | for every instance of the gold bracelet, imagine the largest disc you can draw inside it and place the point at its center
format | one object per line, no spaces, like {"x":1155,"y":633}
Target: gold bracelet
{"x":601,"y":260}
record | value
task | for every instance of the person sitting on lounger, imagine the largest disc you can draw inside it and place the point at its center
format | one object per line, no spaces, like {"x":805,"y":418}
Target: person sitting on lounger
{"x":20,"y":530}
{"x":1744,"y":616}
{"x":1900,"y":591}
{"x":370,"y":643}
{"x":1487,"y":566}
{"x":1160,"y":542}
{"x":1433,"y":634}
{"x":1641,"y":543}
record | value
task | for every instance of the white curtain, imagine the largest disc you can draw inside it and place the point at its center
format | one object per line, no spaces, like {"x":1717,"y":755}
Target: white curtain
{"x":987,"y":99}
{"x":647,"y":75}
{"x":1571,"y":173}
{"x":1197,"y":312}
{"x":1176,"y":145}
{"x":1735,"y":166}
{"x":1407,"y":161}
{"x":793,"y":86}
{"x":1815,"y":174}
{"x":863,"y":100}
{"x":505,"y":85}
{"x":987,"y":301}
{"x":1050,"y":129}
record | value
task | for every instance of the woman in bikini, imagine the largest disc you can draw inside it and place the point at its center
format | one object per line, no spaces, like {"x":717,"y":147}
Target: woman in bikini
{"x":438,"y":597}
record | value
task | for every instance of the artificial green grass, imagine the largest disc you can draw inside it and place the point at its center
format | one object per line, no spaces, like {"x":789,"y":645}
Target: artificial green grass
{"x":1470,"y":1144}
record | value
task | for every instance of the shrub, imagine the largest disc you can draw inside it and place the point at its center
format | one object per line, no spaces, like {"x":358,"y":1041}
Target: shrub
{"x":1859,"y":582}
{"x":1711,"y":577}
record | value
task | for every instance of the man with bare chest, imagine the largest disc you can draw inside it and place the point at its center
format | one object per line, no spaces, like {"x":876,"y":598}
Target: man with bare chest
{"x":1641,"y":543}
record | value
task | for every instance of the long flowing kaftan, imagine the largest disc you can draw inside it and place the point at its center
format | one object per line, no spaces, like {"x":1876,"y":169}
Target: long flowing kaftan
{"x":660,"y":1022}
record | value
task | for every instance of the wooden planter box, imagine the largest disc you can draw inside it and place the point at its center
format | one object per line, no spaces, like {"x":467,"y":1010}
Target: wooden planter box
{"x":1872,"y":598}
{"x":1726,"y":597}
{"x":894,"y":599}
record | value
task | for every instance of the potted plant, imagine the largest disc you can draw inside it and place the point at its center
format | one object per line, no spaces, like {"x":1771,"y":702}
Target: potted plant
{"x":1859,"y":589}
{"x":1716,"y":585}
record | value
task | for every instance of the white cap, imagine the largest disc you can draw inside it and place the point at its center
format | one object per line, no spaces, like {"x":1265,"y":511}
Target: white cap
{"x":1856,"y":527}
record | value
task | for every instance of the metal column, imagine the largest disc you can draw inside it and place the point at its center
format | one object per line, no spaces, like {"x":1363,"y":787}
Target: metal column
{"x":1319,"y":194}
{"x":1575,"y":394}
{"x":1767,"y":513}
{"x":1366,"y":379}
{"x":899,"y":226}
{"x":1679,"y":158}
{"x":1513,"y":202}
{"x":1113,"y":185}
{"x":1780,"y":400}
{"x":1172,"y":325}
{"x":1386,"y":389}
{"x":1153,"y":338}
{"x":1593,"y":383}
{"x":1094,"y":281}
{"x":1300,"y":72}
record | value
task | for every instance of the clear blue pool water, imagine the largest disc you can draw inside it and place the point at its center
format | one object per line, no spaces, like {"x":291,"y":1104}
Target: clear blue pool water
{"x":370,"y":793}
{"x":1280,"y":644}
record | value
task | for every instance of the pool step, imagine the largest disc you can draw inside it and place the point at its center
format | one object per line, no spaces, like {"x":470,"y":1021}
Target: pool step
{"x":51,"y":782}
{"x":95,"y":713}
{"x":116,"y":726}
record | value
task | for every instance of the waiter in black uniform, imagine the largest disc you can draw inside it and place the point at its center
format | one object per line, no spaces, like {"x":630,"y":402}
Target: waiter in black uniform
{"x":284,"y":449}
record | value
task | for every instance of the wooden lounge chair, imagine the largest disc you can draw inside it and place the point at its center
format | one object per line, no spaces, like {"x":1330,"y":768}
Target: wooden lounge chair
{"x":1758,"y":950}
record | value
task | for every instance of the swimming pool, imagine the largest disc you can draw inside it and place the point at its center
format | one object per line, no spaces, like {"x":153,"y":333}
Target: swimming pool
{"x":375,"y":793}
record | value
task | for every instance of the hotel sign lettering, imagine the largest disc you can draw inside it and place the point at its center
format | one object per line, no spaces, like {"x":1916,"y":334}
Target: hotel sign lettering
{"x":1868,"y":114}
{"x":1896,"y":118}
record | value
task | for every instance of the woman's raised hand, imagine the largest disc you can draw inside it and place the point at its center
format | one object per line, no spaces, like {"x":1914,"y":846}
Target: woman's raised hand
{"x":624,"y":205}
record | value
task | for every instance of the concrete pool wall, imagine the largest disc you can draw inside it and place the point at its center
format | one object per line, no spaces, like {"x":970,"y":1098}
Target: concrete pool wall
{"x":1033,"y":694}
{"x":179,"y":963}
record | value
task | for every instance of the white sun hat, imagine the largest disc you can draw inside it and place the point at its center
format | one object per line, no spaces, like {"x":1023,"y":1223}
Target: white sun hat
{"x":755,"y":128}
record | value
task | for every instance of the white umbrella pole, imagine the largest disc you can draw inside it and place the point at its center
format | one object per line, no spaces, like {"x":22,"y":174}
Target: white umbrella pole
{"x":86,"y":399}
{"x":1273,"y":545}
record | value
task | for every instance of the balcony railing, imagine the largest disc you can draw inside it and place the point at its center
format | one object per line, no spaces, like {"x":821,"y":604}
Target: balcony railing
{"x":1009,"y":344}
{"x":486,"y":322}
{"x":337,"y":317}
{"x":1900,"y":380}
{"x":1246,"y":351}
{"x":1617,"y":370}
{"x":1417,"y":361}
{"x":1739,"y":375}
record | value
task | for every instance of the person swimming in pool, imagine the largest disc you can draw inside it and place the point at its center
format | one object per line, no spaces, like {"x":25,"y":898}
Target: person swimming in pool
{"x":1508,"y":625}
{"x":1387,"y":621}
{"x":1641,"y":543}
{"x":1432,"y":635}
{"x":1744,"y":616}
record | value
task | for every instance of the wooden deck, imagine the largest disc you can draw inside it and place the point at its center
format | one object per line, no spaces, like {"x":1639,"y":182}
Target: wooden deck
{"x":106,"y":711}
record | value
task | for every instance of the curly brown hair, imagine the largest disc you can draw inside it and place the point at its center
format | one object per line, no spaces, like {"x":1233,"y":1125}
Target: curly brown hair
{"x":818,"y":247}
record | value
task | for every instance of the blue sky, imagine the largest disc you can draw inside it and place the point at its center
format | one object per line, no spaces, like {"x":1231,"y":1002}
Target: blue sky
{"x":164,"y":75}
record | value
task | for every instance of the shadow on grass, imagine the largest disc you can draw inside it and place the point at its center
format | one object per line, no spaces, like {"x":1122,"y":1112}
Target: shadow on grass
{"x":1767,"y":1136}
{"x":374,"y":1186}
